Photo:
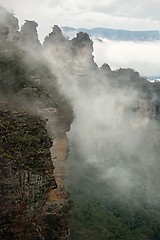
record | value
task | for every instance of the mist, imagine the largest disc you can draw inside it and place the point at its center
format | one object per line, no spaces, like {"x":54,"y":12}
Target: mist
{"x":112,"y":129}
{"x":144,"y":57}
{"x":110,"y":135}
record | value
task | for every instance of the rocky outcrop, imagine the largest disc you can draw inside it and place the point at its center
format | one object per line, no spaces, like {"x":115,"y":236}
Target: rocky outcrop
{"x":34,"y":200}
{"x":58,"y":49}
{"x":75,"y":56}
{"x":32,"y":173}
{"x":4,"y":31}
{"x":58,"y":204}
{"x":28,"y":37}
{"x":55,"y":38}
{"x":148,"y":98}
{"x":8,"y":20}
{"x":82,"y":47}
{"x":26,"y":173}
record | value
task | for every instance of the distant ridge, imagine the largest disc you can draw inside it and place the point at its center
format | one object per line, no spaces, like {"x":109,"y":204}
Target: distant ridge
{"x":115,"y":34}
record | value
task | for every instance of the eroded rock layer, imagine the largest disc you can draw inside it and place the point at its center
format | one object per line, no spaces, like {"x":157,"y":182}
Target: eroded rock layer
{"x":34,"y":203}
{"x":26,"y":172}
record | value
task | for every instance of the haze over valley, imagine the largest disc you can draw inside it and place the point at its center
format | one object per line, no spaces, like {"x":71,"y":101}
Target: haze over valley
{"x":139,"y":50}
{"x":79,"y":121}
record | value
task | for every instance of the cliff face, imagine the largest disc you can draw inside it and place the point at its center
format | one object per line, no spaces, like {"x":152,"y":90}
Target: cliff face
{"x":28,"y":37}
{"x":34,"y":201}
{"x":58,"y":203}
{"x":34,"y":117}
{"x":73,"y":55}
{"x":10,"y":23}
{"x":26,"y":172}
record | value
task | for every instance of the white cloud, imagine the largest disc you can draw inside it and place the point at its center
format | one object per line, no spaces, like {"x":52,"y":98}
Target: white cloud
{"x":135,"y":8}
{"x":144,"y":57}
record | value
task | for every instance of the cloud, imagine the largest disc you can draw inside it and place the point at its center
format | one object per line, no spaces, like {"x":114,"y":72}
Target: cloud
{"x":135,"y":15}
{"x":144,"y":57}
{"x":134,"y":8}
{"x":108,"y":133}
{"x":117,"y":143}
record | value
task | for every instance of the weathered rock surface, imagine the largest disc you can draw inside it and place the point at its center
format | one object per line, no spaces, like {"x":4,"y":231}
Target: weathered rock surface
{"x":28,"y":37}
{"x":26,"y":172}
{"x":74,"y":56}
{"x":10,"y":22}
{"x":34,"y":200}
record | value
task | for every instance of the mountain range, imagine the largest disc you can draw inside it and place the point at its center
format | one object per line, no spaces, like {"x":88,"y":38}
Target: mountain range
{"x":115,"y":34}
{"x":68,"y":125}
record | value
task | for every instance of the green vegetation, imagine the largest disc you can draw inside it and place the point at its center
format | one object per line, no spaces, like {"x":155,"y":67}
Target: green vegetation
{"x":24,"y":140}
{"x":102,"y":212}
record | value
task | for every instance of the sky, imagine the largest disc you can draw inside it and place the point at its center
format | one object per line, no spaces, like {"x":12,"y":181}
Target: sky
{"x":99,"y":108}
{"x":118,"y":14}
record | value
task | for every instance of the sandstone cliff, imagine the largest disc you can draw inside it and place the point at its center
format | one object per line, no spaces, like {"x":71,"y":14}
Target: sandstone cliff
{"x":26,"y":173}
{"x":34,"y":202}
{"x":28,"y":37}
{"x":74,"y":56}
{"x":10,"y":22}
{"x":35,"y":117}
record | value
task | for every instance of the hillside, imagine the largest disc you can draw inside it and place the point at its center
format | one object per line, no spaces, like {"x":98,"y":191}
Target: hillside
{"x":57,"y":104}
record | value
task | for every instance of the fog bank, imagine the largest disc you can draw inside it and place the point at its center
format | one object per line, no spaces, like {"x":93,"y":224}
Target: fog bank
{"x":144,"y":57}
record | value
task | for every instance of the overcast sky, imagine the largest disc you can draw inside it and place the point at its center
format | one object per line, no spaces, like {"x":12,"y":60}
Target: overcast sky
{"x":120,"y":14}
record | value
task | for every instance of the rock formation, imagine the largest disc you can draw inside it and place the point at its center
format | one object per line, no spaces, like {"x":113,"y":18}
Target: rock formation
{"x":82,"y":47}
{"x":58,"y":49}
{"x":75,"y":55}
{"x":28,"y":37}
{"x":4,"y":31}
{"x":26,"y":172}
{"x":55,"y":38}
{"x":10,"y":21}
{"x":34,"y":200}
